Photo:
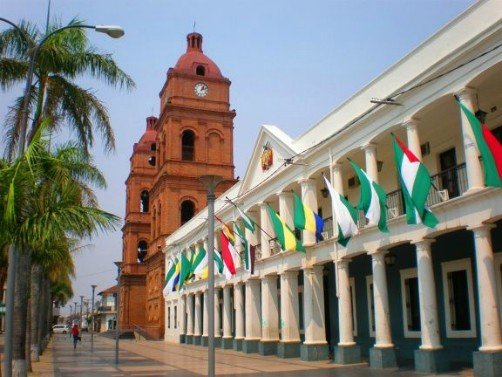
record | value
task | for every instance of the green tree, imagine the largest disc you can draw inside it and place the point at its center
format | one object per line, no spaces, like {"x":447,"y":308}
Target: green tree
{"x":46,"y":198}
{"x":63,"y":59}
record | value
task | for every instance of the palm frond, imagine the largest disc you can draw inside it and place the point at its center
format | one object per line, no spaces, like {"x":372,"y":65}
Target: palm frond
{"x":12,"y":71}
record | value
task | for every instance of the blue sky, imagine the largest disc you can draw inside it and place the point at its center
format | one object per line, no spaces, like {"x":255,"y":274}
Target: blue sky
{"x":290,"y":62}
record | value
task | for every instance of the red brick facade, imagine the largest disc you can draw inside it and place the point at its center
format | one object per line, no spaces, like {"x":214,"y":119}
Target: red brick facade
{"x":193,"y":136}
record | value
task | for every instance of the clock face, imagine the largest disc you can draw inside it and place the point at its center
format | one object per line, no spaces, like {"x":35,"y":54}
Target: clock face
{"x":200,"y":89}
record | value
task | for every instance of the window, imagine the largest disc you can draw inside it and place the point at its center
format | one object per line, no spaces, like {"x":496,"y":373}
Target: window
{"x":142,"y":251}
{"x":187,"y":145}
{"x":152,"y":160}
{"x":187,"y":211}
{"x":458,"y":299}
{"x":168,"y":317}
{"x":371,"y":304}
{"x":153,"y":147}
{"x":200,"y":70}
{"x":144,"y":201}
{"x":352,"y":283}
{"x":175,"y":317}
{"x":411,"y":303}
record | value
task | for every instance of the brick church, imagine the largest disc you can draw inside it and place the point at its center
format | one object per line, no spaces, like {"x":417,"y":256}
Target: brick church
{"x":193,"y":136}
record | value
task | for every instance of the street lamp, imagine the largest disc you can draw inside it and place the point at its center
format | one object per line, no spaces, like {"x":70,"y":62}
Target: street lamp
{"x":117,"y":304}
{"x":81,"y":306}
{"x":114,"y":32}
{"x":210,"y":182}
{"x":93,"y":286}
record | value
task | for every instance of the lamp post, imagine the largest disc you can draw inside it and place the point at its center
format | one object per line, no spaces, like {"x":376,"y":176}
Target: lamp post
{"x":210,"y":182}
{"x":74,"y":312}
{"x":117,"y":309}
{"x":81,"y":307}
{"x":112,"y":31}
{"x":93,"y":286}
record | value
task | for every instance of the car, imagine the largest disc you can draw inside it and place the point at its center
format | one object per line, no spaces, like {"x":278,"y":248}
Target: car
{"x":60,"y":329}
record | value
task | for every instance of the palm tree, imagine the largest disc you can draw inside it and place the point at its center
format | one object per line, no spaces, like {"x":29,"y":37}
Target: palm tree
{"x":63,"y":58}
{"x":46,"y":198}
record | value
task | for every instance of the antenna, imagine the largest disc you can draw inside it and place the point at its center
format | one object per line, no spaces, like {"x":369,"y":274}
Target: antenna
{"x":194,"y":23}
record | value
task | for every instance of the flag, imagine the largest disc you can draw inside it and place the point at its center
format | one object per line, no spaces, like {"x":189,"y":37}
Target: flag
{"x":176,"y":275}
{"x":415,"y":183}
{"x":228,"y":232}
{"x":284,"y":234}
{"x":169,"y":282}
{"x":372,"y":199}
{"x":185,"y":268}
{"x":249,"y":250}
{"x":200,"y":262}
{"x":246,"y":220}
{"x":489,"y":148}
{"x":226,"y":254}
{"x":305,"y":218}
{"x":218,"y":265}
{"x":344,"y":214}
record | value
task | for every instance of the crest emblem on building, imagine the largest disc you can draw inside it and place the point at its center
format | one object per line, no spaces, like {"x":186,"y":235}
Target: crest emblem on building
{"x":267,"y":157}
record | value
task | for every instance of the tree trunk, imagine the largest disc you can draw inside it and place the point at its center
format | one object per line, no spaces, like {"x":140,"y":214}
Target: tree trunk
{"x":27,"y":346}
{"x":20,"y":314}
{"x":36,"y":280}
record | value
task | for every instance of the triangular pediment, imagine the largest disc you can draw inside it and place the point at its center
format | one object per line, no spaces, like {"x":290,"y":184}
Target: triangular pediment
{"x":281,"y":147}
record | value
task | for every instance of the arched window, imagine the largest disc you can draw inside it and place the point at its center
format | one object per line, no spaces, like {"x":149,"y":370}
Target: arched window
{"x":187,"y":145}
{"x":187,"y":211}
{"x":142,"y":251}
{"x":144,"y":201}
{"x":200,"y":70}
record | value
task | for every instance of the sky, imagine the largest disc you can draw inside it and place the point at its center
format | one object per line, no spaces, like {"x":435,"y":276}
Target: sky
{"x":291,"y":62}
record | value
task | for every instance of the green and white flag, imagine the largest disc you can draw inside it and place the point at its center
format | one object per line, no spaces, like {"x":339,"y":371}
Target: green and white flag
{"x":246,"y":220}
{"x":344,"y":214}
{"x":372,"y":199}
{"x":415,"y":183}
{"x":185,"y":269}
{"x":171,"y":274}
{"x":200,"y":262}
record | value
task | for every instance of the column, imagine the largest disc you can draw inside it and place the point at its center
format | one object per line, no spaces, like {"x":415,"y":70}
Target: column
{"x":467,"y":97}
{"x":371,"y":161}
{"x":205,"y":318}
{"x":347,"y":351}
{"x":338,"y":177}
{"x":190,"y":318}
{"x":428,"y":358}
{"x":227,"y":341}
{"x":382,"y":355}
{"x":198,"y":318}
{"x":289,"y":345}
{"x":182,"y":323}
{"x":253,"y":314}
{"x":286,"y":207}
{"x":239,"y":316}
{"x":217,"y":318}
{"x":412,"y":137}
{"x":267,"y":230}
{"x":252,"y":236}
{"x":315,"y":346}
{"x":309,"y":198}
{"x":488,"y":361}
{"x":270,"y":316}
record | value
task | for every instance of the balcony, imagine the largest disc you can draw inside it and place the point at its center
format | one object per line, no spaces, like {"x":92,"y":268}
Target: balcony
{"x":446,"y":185}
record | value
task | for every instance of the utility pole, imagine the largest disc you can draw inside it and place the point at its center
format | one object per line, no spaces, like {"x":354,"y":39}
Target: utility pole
{"x":93,"y":286}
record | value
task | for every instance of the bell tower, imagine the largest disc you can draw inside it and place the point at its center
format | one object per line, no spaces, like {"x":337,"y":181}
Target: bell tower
{"x":136,"y":229}
{"x":194,"y":137}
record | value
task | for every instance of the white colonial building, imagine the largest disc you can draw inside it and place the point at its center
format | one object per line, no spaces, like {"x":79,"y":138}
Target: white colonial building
{"x":418,"y":295}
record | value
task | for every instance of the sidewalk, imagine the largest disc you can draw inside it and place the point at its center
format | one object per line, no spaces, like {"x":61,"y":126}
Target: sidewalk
{"x":147,"y":358}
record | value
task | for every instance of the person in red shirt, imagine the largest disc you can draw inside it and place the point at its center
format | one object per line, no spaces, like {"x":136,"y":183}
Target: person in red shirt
{"x":74,"y":332}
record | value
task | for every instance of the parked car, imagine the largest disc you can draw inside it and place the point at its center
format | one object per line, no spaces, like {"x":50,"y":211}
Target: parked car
{"x":60,"y":329}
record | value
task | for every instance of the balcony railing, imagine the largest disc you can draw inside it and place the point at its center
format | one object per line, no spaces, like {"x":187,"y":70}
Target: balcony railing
{"x":446,"y":185}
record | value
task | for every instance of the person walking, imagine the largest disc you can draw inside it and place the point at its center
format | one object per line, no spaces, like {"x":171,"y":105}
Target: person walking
{"x":75,"y":333}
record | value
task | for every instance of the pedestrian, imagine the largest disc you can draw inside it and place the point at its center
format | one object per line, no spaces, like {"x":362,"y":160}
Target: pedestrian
{"x":75,"y":333}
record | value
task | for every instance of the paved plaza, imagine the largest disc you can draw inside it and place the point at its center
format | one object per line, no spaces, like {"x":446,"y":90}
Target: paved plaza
{"x":147,"y":358}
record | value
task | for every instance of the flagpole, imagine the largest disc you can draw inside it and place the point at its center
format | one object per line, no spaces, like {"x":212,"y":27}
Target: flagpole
{"x":210,"y":182}
{"x":335,"y":246}
{"x":259,"y":227}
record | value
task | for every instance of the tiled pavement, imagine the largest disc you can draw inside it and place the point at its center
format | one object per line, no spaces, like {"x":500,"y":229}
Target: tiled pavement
{"x":154,"y":359}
